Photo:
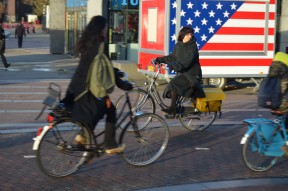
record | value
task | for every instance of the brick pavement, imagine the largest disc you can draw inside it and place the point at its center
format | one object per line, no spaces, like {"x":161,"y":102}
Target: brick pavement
{"x":181,"y":164}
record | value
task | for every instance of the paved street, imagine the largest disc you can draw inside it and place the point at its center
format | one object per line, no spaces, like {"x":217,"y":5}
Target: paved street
{"x":207,"y":160}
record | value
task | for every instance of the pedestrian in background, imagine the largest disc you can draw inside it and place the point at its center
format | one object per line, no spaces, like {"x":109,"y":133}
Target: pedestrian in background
{"x":19,"y":33}
{"x":2,"y":47}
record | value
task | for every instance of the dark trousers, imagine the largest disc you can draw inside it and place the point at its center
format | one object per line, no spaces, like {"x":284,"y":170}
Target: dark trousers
{"x":4,"y":61}
{"x":20,"y":40}
{"x":110,"y":129}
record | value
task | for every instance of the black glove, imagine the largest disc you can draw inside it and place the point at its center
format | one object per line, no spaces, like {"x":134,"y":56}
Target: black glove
{"x":157,"y":60}
{"x":160,"y":60}
{"x":118,"y":73}
{"x":122,"y":84}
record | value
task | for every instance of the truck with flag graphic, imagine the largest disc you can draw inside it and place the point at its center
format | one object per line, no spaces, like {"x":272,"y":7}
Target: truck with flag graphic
{"x":236,"y":39}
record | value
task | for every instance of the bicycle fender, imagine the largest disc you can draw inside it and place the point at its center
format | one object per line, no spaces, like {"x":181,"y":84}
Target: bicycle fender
{"x":247,"y":134}
{"x":39,"y":138}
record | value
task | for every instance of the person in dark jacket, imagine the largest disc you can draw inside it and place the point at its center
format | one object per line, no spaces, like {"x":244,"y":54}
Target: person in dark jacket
{"x":2,"y":47}
{"x":185,"y":61}
{"x":19,"y":33}
{"x":88,"y":110}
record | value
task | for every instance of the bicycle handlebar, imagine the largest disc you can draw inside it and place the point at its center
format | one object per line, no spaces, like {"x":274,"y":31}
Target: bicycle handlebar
{"x":154,"y":63}
{"x":159,"y":65}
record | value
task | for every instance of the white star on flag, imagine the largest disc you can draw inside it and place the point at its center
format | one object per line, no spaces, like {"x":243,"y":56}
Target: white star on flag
{"x":189,"y":21}
{"x":233,"y":6}
{"x":197,"y":13}
{"x":174,"y":5}
{"x":218,"y":22}
{"x":189,"y":5}
{"x":211,"y":13}
{"x":204,"y":5}
{"x":196,"y":29}
{"x":174,"y":21}
{"x":211,"y":30}
{"x":182,"y":13}
{"x":204,"y":21}
{"x":203,"y":37}
{"x":173,"y":38}
{"x":226,"y":14}
{"x":219,"y":6}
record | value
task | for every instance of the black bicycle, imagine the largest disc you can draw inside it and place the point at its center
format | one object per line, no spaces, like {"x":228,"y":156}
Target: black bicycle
{"x":58,"y":155}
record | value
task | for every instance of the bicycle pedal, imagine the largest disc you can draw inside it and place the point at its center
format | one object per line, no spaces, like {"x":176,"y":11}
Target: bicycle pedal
{"x":169,"y":116}
{"x":89,"y":158}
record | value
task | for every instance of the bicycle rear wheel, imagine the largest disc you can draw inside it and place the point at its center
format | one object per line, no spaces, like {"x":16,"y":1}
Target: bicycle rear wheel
{"x":145,"y":145}
{"x":252,"y":156}
{"x":141,"y":103}
{"x":194,"y":120}
{"x":56,"y":155}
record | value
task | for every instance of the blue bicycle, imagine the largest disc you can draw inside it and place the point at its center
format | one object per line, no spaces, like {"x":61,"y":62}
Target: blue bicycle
{"x":263,"y":141}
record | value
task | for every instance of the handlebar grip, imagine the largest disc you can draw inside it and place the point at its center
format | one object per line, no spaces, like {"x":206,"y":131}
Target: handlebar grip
{"x":153,"y":62}
{"x":156,"y":64}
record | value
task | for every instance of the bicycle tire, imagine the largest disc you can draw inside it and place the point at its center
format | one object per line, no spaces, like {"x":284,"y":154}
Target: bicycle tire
{"x":252,"y":156}
{"x":54,"y":155}
{"x":145,"y":145}
{"x":134,"y":96}
{"x":195,"y":120}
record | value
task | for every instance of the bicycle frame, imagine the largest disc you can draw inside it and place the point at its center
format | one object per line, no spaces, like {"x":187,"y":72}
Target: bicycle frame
{"x":152,"y":90}
{"x":271,"y":135}
{"x":132,"y":117}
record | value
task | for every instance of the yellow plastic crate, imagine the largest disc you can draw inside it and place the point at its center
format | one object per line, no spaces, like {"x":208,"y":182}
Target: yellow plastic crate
{"x":213,"y":100}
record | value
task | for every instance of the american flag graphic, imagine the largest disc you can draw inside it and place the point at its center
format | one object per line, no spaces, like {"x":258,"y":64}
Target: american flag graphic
{"x":227,"y":29}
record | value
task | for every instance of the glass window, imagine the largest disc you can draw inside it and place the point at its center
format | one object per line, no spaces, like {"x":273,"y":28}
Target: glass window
{"x":123,"y":28}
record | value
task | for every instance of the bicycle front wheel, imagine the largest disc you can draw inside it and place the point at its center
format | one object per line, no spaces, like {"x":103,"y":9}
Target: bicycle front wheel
{"x":145,"y":145}
{"x":195,"y":120}
{"x":253,"y":158}
{"x":56,"y":155}
{"x":141,"y":102}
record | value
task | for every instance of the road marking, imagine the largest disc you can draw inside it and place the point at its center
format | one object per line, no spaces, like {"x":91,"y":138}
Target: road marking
{"x":22,"y":111}
{"x":26,"y":93}
{"x":21,"y":101}
{"x":200,"y":148}
{"x":29,"y":156}
{"x":28,"y":87}
{"x":9,"y":125}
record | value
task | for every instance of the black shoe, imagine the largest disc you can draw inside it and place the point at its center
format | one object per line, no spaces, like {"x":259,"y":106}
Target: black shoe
{"x":7,"y":65}
{"x":169,"y":110}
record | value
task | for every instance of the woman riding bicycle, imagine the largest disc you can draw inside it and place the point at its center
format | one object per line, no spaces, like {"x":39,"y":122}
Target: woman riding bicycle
{"x":88,"y":110}
{"x":185,"y":61}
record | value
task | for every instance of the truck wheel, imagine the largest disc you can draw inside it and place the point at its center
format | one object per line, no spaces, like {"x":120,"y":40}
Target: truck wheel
{"x":217,"y":82}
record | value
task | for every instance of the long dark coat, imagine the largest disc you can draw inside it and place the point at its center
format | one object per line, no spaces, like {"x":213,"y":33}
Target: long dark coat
{"x":88,"y":109}
{"x":2,"y":37}
{"x":185,"y":61}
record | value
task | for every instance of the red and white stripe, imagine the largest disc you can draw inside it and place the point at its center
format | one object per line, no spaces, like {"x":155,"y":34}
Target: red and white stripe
{"x":243,"y":32}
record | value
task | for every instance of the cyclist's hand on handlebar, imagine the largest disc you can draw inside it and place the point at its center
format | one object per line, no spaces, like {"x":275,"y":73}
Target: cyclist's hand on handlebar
{"x":154,"y":62}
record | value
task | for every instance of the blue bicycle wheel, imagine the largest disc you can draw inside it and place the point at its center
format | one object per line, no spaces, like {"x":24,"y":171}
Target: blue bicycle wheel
{"x":253,"y":154}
